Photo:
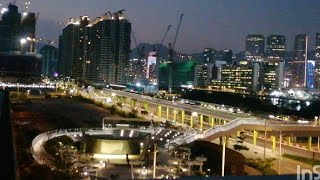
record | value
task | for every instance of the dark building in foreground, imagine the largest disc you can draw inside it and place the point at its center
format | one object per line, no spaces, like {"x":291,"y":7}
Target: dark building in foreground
{"x":17,"y":32}
{"x":15,"y":67}
{"x":10,"y":29}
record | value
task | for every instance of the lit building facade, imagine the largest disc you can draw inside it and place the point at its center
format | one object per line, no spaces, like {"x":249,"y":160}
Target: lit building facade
{"x":276,"y":46}
{"x":248,"y":77}
{"x":317,"y":61}
{"x":108,"y":47}
{"x":209,"y":55}
{"x":311,"y":74}
{"x":255,"y":45}
{"x":202,"y":75}
{"x":72,"y":49}
{"x":299,"y":63}
{"x":271,"y":74}
{"x":235,"y":79}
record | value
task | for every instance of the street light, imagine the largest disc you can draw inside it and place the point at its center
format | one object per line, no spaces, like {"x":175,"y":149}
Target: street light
{"x":194,"y":115}
{"x":18,"y":88}
{"x":224,"y":139}
{"x":23,"y":41}
{"x":317,"y":122}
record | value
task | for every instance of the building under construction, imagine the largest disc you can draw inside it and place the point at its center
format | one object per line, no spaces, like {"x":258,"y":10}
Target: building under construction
{"x":96,"y":51}
{"x":17,"y":30}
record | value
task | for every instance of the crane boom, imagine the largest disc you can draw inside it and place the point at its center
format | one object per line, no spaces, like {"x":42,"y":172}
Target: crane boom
{"x":164,"y":37}
{"x":171,"y":54}
{"x":177,"y":31}
{"x":136,"y":43}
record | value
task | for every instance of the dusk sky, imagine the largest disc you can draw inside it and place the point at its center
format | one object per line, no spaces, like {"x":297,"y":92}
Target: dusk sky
{"x":221,"y":24}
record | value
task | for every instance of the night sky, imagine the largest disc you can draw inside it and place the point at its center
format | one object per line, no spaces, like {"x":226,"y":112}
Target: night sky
{"x":221,"y":24}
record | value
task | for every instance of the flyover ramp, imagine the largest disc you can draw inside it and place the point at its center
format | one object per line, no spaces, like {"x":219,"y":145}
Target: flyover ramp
{"x":174,"y":105}
{"x":272,"y":127}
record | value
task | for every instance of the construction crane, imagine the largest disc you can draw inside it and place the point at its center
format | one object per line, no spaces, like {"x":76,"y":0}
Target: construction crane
{"x":48,"y":41}
{"x":26,"y":5}
{"x":140,"y":53}
{"x":13,"y":2}
{"x":157,"y":50}
{"x":171,"y":53}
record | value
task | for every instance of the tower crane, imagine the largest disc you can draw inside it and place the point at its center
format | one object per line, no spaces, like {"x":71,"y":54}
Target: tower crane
{"x":140,"y":53}
{"x":171,"y":53}
{"x":157,"y":50}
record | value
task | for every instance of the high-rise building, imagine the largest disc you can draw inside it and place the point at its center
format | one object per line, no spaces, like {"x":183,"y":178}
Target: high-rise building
{"x":107,"y":48}
{"x":202,"y":75}
{"x":227,"y":56}
{"x":299,"y":64}
{"x":235,"y":78}
{"x":28,"y":30}
{"x":317,"y":61}
{"x":276,"y":46}
{"x":209,"y":55}
{"x":310,"y":74}
{"x":317,"y":46}
{"x":271,"y":74}
{"x":10,"y":29}
{"x":255,"y":46}
{"x":50,"y":60}
{"x":72,"y":48}
{"x":262,"y":75}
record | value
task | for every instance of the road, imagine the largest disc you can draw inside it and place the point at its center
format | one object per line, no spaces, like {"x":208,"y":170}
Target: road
{"x":287,"y":166}
{"x":187,"y":107}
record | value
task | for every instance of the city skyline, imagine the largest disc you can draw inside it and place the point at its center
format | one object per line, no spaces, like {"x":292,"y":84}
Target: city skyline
{"x":229,"y":21}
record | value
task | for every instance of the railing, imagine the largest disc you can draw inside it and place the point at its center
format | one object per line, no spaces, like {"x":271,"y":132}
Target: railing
{"x":235,"y":123}
{"x":188,"y":106}
{"x":37,"y":155}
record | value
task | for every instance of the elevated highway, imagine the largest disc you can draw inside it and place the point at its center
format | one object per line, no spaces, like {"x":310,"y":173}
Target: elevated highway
{"x":195,"y":116}
{"x":272,"y":128}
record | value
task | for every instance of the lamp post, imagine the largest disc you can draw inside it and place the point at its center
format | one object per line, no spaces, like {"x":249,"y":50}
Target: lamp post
{"x":154,"y":160}
{"x":223,"y":155}
{"x":280,"y":139}
{"x":18,"y":88}
{"x":265,"y":139}
{"x":193,"y":117}
{"x":23,"y":41}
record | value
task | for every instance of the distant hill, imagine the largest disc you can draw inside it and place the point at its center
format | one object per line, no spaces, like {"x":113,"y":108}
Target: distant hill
{"x":164,"y":50}
{"x":39,"y":45}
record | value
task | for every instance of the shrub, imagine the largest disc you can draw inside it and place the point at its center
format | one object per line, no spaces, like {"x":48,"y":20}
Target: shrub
{"x":302,"y":159}
{"x":264,"y":166}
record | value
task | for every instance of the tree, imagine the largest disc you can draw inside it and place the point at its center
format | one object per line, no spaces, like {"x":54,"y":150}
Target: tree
{"x":144,"y":112}
{"x":119,"y":104}
{"x":239,"y":146}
